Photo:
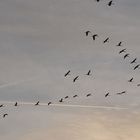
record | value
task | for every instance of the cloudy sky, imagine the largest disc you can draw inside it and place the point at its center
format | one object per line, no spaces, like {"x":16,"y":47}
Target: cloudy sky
{"x":41,"y":41}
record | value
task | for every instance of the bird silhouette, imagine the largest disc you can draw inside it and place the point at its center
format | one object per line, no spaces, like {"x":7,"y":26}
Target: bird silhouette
{"x":136,"y":67}
{"x":126,"y":55}
{"x":89,"y":73}
{"x":87,"y":33}
{"x":37,"y":103}
{"x":61,"y":100}
{"x":49,"y":103}
{"x":94,"y":36}
{"x":76,"y":78}
{"x":66,"y":97}
{"x":16,"y":104}
{"x":120,"y":93}
{"x":4,"y":115}
{"x":131,"y":79}
{"x":133,"y":61}
{"x":106,"y":40}
{"x":68,"y":73}
{"x":2,"y":105}
{"x":107,"y":94}
{"x":119,"y":44}
{"x":110,"y":3}
{"x":123,"y":50}
{"x":88,"y":95}
{"x":75,"y":96}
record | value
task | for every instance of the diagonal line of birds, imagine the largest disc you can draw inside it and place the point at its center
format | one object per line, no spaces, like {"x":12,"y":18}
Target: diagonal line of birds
{"x":123,"y":51}
{"x":61,"y":103}
{"x":16,"y":104}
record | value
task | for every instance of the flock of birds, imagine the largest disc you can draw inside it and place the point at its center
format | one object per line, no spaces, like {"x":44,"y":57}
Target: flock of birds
{"x":49,"y":103}
{"x":123,"y":50}
{"x":89,"y":73}
{"x":60,"y":101}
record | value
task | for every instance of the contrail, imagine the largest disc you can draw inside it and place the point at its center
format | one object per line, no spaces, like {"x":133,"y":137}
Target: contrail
{"x":17,"y":83}
{"x":68,"y":105}
{"x":88,"y":106}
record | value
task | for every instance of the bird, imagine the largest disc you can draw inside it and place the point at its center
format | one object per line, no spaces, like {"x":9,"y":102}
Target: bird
{"x":4,"y":115}
{"x":97,"y":0}
{"x":68,"y":73}
{"x":119,"y":44}
{"x":89,"y":73}
{"x":126,"y":55}
{"x":88,"y":95}
{"x":61,"y":100}
{"x":136,"y":66}
{"x":75,"y":96}
{"x":124,"y":50}
{"x":76,"y":78}
{"x":94,"y":36}
{"x":131,"y":79}
{"x":106,"y":40}
{"x":87,"y":33}
{"x":66,"y":97}
{"x":37,"y":103}
{"x":1,"y":105}
{"x":107,"y":94}
{"x":133,"y":61}
{"x":120,"y":93}
{"x":16,"y":104}
{"x":49,"y":103}
{"x":110,"y":3}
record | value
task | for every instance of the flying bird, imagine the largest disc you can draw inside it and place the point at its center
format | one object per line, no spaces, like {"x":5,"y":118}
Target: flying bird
{"x":119,"y":44}
{"x":87,"y":33}
{"x":1,"y":105}
{"x":16,"y":104}
{"x":49,"y":103}
{"x":131,"y":79}
{"x":66,"y":97}
{"x":88,"y":95}
{"x":120,"y":93}
{"x":68,"y":73}
{"x":76,"y":78}
{"x":110,"y":3}
{"x":107,"y":94}
{"x":61,"y":100}
{"x":94,"y":36}
{"x":136,"y":66}
{"x":133,"y":61}
{"x":106,"y":40}
{"x":75,"y":96}
{"x":4,"y":115}
{"x":124,"y":50}
{"x":37,"y":103}
{"x":126,"y":55}
{"x":89,"y":73}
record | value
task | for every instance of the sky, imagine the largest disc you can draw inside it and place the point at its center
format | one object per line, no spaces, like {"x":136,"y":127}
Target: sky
{"x":41,"y":41}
